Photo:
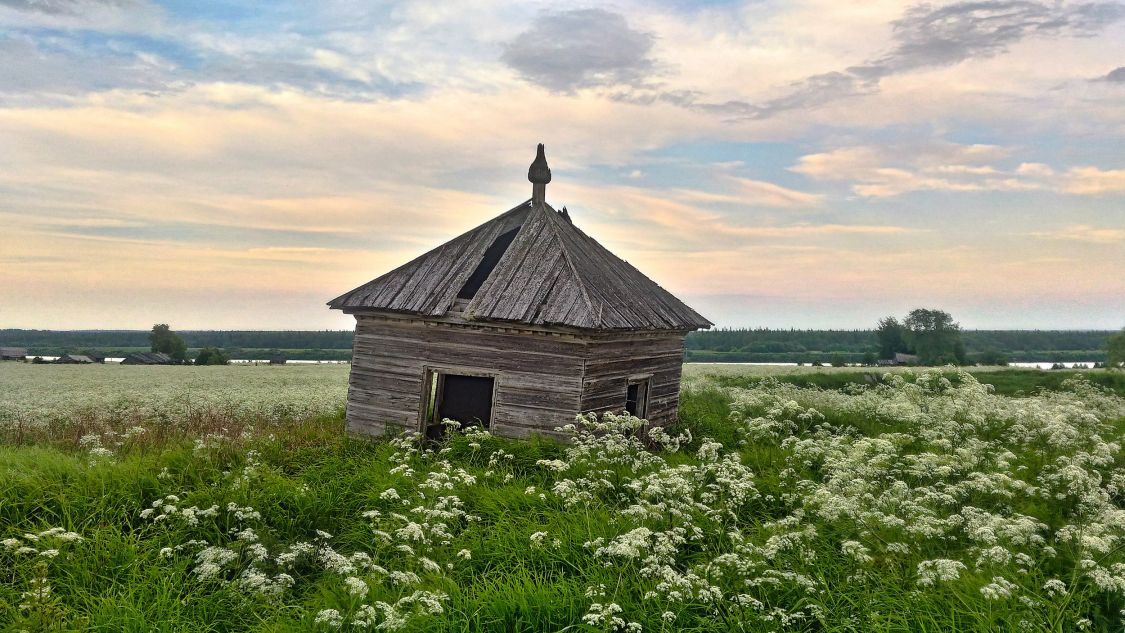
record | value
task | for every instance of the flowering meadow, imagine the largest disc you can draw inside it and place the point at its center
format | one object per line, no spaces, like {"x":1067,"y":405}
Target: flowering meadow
{"x":62,"y":403}
{"x":920,"y":502}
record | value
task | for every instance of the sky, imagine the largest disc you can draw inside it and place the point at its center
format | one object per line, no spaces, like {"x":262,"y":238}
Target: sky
{"x":798,"y":163}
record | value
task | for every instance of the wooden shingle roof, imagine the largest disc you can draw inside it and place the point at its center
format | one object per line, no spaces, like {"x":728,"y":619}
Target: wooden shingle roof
{"x":147,"y":358}
{"x":551,"y":274}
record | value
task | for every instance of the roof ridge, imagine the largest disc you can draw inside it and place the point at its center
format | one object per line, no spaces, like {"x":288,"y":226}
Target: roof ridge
{"x":555,"y":224}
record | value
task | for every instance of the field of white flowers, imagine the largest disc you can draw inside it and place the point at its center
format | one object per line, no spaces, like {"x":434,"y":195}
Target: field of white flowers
{"x":917,"y":503}
{"x":38,"y":402}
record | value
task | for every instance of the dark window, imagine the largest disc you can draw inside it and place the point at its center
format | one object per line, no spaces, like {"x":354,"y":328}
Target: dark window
{"x":487,"y":264}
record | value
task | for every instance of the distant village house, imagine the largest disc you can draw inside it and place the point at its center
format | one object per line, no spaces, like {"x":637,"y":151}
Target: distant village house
{"x":147,"y":358}
{"x":74,"y":359}
{"x":13,"y":353}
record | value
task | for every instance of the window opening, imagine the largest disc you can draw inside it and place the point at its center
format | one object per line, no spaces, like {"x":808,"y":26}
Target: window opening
{"x":487,"y":264}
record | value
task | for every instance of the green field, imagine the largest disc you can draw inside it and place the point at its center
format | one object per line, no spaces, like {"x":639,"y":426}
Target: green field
{"x":1004,"y":380}
{"x":229,"y":499}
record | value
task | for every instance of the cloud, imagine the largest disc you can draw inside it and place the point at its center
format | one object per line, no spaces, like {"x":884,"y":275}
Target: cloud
{"x":1092,"y":180}
{"x":32,"y":68}
{"x":1083,"y":233}
{"x":1035,"y":170}
{"x":1117,"y":75}
{"x":889,"y":170}
{"x":634,"y":220}
{"x":929,"y":37}
{"x":885,"y":171}
{"x":581,"y":48}
{"x":203,"y":149}
{"x":86,"y":16}
{"x":72,"y":7}
{"x":770,"y":194}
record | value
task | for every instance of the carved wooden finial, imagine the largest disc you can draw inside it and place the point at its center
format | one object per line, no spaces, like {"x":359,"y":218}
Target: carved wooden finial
{"x":539,"y":174}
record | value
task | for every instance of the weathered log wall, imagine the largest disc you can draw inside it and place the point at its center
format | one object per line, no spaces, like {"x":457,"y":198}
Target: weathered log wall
{"x":611,"y":363}
{"x":538,"y":375}
{"x":543,"y":378}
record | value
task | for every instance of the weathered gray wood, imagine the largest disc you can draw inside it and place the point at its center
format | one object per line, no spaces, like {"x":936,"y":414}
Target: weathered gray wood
{"x":610,"y":363}
{"x":538,"y":375}
{"x":551,"y":274}
{"x":544,"y":376}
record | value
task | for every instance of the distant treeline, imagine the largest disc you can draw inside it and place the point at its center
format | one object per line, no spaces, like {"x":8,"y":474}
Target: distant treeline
{"x":778,"y":346}
{"x":745,"y":345}
{"x":225,"y":339}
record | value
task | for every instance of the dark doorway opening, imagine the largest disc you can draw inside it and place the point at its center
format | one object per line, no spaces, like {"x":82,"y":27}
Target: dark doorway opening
{"x":636,"y":397}
{"x":467,"y":399}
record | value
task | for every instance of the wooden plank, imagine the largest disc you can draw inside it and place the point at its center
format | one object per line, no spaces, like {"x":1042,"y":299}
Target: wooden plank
{"x":496,"y":288}
{"x":467,"y":356}
{"x":540,"y":398}
{"x":627,"y":366}
{"x":503,"y":343}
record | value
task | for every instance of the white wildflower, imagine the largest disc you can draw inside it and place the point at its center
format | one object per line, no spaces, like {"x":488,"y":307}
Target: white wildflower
{"x":330,"y":618}
{"x":356,"y":586}
{"x":940,"y":569}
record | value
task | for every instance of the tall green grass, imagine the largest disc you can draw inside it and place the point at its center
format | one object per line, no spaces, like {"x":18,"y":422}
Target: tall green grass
{"x":312,"y":476}
{"x":1007,"y":382}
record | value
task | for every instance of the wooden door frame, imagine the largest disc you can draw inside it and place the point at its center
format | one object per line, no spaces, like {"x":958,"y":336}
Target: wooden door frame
{"x":645,"y":382}
{"x":429,"y":372}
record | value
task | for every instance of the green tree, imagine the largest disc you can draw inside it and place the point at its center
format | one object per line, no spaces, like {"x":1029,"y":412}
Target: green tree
{"x":211,"y":356}
{"x":162,"y":339}
{"x":869,"y":359}
{"x":1115,"y":350}
{"x":993,"y":357}
{"x":934,"y":336}
{"x":891,"y":337}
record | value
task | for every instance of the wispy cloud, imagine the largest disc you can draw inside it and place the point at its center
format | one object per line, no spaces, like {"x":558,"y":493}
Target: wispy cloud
{"x":1083,"y":233}
{"x":925,"y":37}
{"x":770,"y":194}
{"x":64,"y":6}
{"x":1094,"y":181}
{"x":179,"y":152}
{"x":887,"y":171}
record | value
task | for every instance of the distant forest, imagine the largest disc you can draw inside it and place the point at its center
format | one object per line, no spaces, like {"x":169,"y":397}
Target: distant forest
{"x":241,"y":344}
{"x":745,"y":345}
{"x":766,"y":345}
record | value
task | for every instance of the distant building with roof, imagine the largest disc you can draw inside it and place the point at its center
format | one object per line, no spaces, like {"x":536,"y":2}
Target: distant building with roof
{"x":905,"y":359}
{"x":147,"y":358}
{"x":74,"y":359}
{"x":518,"y":325}
{"x":13,"y":353}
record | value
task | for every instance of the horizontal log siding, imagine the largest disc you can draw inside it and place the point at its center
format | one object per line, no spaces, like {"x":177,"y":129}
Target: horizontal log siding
{"x":610,"y":363}
{"x":539,"y":376}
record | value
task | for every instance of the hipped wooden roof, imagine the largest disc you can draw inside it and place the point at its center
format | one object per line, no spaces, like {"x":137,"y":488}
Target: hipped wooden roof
{"x":552,"y":274}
